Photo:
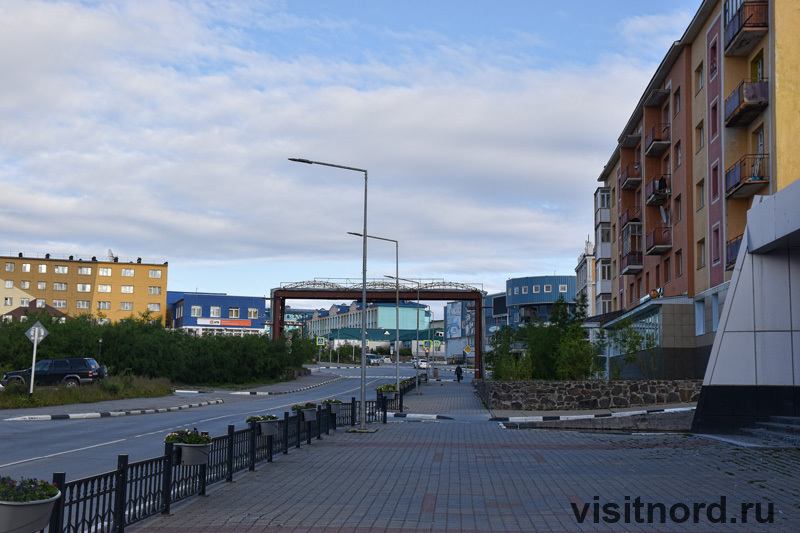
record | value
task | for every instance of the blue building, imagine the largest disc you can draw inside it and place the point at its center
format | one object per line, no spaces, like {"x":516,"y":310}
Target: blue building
{"x":531,"y":299}
{"x":217,"y":313}
{"x":380,"y":315}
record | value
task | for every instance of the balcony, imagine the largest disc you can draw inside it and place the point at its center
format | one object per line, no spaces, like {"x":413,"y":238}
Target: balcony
{"x":657,"y":190}
{"x":746,"y":28}
{"x":631,"y":263}
{"x":656,"y":97}
{"x":631,"y":176}
{"x":630,"y":140}
{"x":732,"y":252}
{"x":747,"y":176}
{"x":746,"y":102}
{"x":657,"y":140}
{"x":631,"y":215}
{"x":658,"y":241}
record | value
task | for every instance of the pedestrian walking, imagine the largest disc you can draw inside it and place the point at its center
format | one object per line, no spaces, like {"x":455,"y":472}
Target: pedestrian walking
{"x":459,"y":373}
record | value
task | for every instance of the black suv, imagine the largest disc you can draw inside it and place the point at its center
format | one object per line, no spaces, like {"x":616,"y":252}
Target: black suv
{"x":70,"y":372}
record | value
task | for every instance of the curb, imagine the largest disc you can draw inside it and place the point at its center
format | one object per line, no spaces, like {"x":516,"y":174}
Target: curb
{"x":420,"y":416}
{"x":106,"y":414}
{"x":259,"y":393}
{"x":555,"y":418}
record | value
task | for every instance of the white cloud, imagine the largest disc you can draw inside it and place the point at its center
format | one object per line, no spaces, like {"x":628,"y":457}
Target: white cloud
{"x":149,"y":128}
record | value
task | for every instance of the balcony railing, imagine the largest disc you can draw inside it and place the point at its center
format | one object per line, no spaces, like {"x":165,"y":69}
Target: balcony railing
{"x":657,"y":140}
{"x":631,"y":263}
{"x":746,"y":27}
{"x":657,"y":190}
{"x":746,"y":102}
{"x":659,"y":241}
{"x":732,"y":252}
{"x":747,"y":175}
{"x":631,"y":214}
{"x":631,"y":176}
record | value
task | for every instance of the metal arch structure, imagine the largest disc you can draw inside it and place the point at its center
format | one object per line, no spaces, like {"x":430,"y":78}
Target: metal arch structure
{"x":378,"y":290}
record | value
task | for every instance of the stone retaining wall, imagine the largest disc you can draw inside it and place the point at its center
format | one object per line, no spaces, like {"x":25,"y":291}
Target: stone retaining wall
{"x":566,"y":395}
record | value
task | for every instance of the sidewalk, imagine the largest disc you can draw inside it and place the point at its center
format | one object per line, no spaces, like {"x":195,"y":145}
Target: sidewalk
{"x":470,"y":474}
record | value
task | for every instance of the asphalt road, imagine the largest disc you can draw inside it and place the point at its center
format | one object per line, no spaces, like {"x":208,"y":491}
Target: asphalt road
{"x":85,"y":447}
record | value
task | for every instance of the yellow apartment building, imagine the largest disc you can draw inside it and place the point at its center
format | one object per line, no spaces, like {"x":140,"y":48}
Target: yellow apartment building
{"x":108,"y":288}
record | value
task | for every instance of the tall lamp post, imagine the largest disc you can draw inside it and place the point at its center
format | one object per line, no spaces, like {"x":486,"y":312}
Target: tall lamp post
{"x":416,"y":349}
{"x":397,"y":303}
{"x":362,"y":423}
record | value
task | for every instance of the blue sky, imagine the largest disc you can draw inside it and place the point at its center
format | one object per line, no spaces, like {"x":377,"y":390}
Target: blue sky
{"x":161,"y":130}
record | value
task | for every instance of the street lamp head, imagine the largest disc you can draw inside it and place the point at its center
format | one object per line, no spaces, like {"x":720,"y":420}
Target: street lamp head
{"x":299,"y":160}
{"x":354,"y":233}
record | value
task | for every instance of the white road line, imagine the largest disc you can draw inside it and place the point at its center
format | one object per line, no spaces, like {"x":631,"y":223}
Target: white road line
{"x":62,"y":453}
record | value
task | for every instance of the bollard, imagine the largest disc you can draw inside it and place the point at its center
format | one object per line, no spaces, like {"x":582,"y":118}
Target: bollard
{"x":166,"y":479}
{"x":120,"y":496}
{"x":285,"y":432}
{"x":253,"y":427}
{"x":229,"y":473}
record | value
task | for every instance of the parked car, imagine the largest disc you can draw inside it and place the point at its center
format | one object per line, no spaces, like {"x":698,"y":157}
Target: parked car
{"x":373,"y":359}
{"x":387,"y":359}
{"x":70,"y":372}
{"x":421,"y":363}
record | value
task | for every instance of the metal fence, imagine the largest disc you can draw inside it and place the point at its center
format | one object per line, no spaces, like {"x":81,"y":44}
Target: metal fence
{"x":135,"y":491}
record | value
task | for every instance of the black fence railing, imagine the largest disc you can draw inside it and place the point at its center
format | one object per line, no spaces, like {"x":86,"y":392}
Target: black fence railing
{"x":135,"y":491}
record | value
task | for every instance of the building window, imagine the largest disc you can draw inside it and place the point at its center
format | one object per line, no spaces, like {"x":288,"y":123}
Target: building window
{"x":41,"y":303}
{"x":516,"y":290}
{"x":60,"y":304}
{"x":714,"y":182}
{"x":252,"y":312}
{"x":678,"y":208}
{"x":8,"y":301}
{"x":699,"y":82}
{"x":562,"y":288}
{"x":82,"y":304}
{"x":84,"y":287}
{"x":25,"y":285}
{"x":715,"y":245}
{"x":84,"y":271}
{"x":61,"y":269}
{"x":26,"y":267}
{"x":9,"y":284}
{"x":676,"y":101}
{"x":104,"y":271}
{"x":548,"y":288}
{"x":127,"y":272}
{"x":605,"y":271}
{"x":126,"y":306}
{"x":699,"y":318}
{"x":42,"y":269}
{"x":233,"y":312}
{"x":699,"y":136}
{"x":59,"y":286}
{"x":154,"y":291}
{"x":712,"y":60}
{"x":701,"y":253}
{"x":196,"y":311}
{"x":24,"y":302}
{"x":154,"y":307}
{"x":215,"y":311}
{"x":536,"y":289}
{"x":126,"y":289}
{"x":524,"y":289}
{"x":155,"y":273}
{"x":678,"y":263}
{"x":104,"y":306}
{"x":9,"y":267}
{"x":104,"y":288}
{"x":701,"y":194}
{"x":667,"y":270}
{"x":714,"y":118}
{"x":41,"y":285}
{"x":678,"y":154}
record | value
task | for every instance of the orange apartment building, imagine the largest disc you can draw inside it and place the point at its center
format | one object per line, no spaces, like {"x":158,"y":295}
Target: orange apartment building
{"x":108,"y":289}
{"x":698,"y":146}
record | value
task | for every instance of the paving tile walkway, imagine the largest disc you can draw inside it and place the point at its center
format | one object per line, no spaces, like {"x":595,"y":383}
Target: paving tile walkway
{"x":469,"y":474}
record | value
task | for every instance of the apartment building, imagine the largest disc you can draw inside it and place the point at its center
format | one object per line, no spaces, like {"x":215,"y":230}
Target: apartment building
{"x":712,"y":130}
{"x":108,"y":289}
{"x":586,"y":280}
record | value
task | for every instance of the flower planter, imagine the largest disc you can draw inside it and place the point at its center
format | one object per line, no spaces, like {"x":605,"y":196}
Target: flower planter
{"x":24,"y":517}
{"x":390,"y":395}
{"x":308,"y":414}
{"x":193,"y":454}
{"x":335,"y":408}
{"x":268,"y":427}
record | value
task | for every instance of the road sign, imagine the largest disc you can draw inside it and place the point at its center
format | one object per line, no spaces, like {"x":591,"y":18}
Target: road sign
{"x":467,"y":350}
{"x":426,"y":344}
{"x":36,"y":332}
{"x":437,"y":343}
{"x":320,"y":341}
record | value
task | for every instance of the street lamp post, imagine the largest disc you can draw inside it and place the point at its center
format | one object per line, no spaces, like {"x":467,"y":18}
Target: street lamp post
{"x":416,"y":348}
{"x":362,"y":423}
{"x":397,"y":303}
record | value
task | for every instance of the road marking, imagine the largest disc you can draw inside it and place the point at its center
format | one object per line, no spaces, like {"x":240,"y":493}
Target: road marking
{"x":62,"y":453}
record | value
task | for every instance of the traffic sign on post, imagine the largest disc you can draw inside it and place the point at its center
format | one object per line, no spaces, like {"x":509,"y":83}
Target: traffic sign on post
{"x":36,"y":332}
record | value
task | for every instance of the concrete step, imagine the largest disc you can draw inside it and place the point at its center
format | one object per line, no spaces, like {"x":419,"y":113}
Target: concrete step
{"x":773,"y":436}
{"x":777,"y":427}
{"x":790,"y":420}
